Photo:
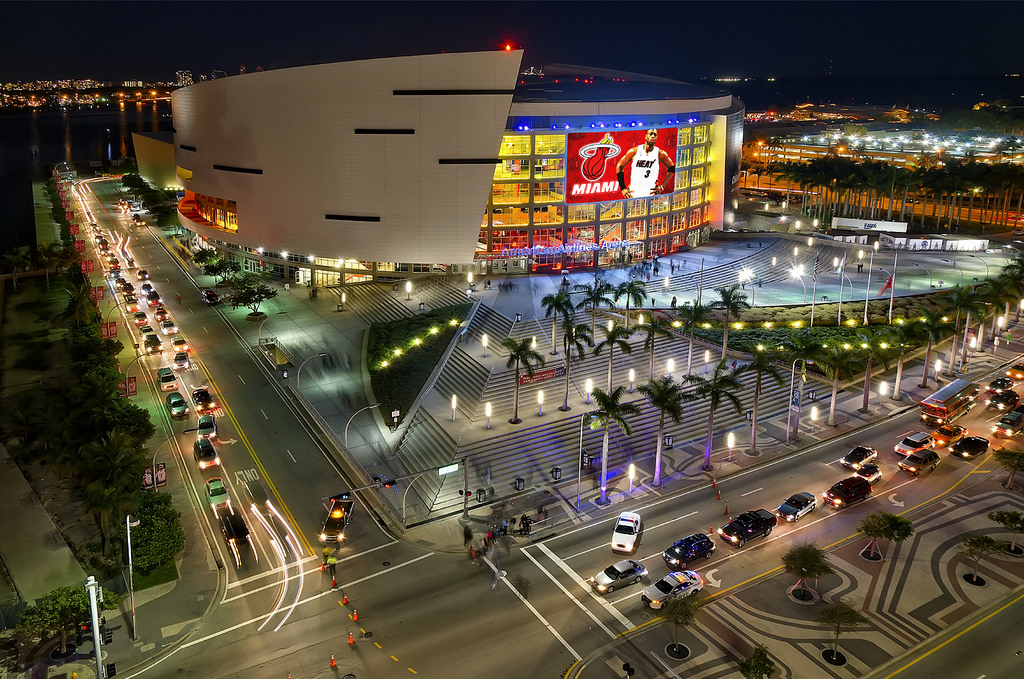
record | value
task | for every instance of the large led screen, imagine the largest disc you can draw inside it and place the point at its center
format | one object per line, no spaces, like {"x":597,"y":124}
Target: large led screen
{"x":594,"y":160}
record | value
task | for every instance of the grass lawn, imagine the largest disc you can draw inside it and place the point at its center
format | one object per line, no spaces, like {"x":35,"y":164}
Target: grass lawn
{"x":166,"y":573}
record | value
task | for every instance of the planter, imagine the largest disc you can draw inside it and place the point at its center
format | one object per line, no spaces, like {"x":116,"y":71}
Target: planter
{"x":803,"y":595}
{"x":833,"y":657}
{"x":254,"y":317}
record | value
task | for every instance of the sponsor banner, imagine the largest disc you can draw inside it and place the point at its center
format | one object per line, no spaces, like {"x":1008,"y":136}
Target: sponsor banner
{"x":73,"y":228}
{"x":96,"y":293}
{"x":161,"y":476}
{"x":88,"y":266}
{"x":79,"y":245}
{"x":108,"y":329}
{"x":541,"y":375}
{"x":131,"y":389}
{"x":568,"y":248}
{"x":593,"y":157}
{"x":868,"y":225}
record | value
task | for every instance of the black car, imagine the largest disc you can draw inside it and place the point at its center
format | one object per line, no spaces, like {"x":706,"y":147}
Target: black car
{"x":1001,"y":384}
{"x":859,"y":456}
{"x":142,"y":274}
{"x":1004,"y":400}
{"x":969,"y":446}
{"x":210,"y":297}
{"x":797,"y":505}
{"x":690,"y":548}
{"x":203,"y":400}
{"x":847,"y":491}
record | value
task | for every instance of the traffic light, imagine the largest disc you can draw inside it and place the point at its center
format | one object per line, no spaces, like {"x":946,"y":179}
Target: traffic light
{"x":628,"y":669}
{"x":106,"y":634}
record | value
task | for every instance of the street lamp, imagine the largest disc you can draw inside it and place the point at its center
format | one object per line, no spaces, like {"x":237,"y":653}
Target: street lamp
{"x":259,"y":328}
{"x":982,"y":260}
{"x":930,"y":286}
{"x":579,"y":473}
{"x":745,"y":276}
{"x":372,"y":405}
{"x":671,"y":364}
{"x":589,"y":388}
{"x":540,"y":403}
{"x":867,"y":288}
{"x":408,"y":291}
{"x":298,"y":373}
{"x":632,"y":376}
{"x":957,"y":267}
{"x":131,"y":522}
{"x":483,"y":341}
{"x":797,"y":272}
{"x":487,"y":412}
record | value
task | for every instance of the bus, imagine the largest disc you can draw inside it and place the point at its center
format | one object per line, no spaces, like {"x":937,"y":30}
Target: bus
{"x":950,"y":402}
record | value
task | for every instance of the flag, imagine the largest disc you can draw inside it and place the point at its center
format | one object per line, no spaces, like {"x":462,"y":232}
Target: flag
{"x":888,"y":284}
{"x":814,"y":274}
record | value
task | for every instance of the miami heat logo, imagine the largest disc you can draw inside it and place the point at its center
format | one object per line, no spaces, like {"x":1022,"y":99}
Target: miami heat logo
{"x":597,"y":155}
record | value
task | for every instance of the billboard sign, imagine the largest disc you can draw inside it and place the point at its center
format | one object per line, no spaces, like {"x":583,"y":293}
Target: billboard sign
{"x":161,"y":476}
{"x":593,"y":161}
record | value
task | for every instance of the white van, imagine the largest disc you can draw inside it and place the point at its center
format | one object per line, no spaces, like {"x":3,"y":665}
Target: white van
{"x":167,"y":379}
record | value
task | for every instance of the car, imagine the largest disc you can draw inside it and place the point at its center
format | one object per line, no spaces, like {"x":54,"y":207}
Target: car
{"x":689,"y":549}
{"x":146,"y":330}
{"x":619,"y":574}
{"x":847,"y":491}
{"x":210,"y":297}
{"x":142,"y":274}
{"x":131,"y":304}
{"x":338,"y":515}
{"x":177,"y":406}
{"x":675,"y":585}
{"x":181,"y":361}
{"x":207,"y":427}
{"x":969,"y":446}
{"x":203,"y":400}
{"x":127,"y":288}
{"x":797,"y":505}
{"x":167,"y":379}
{"x":152,"y":344}
{"x":140,"y":318}
{"x":626,"y":534}
{"x":869,"y":472}
{"x":119,"y":281}
{"x":1001,"y":384}
{"x":259,"y":499}
{"x":146,"y":287}
{"x":179,"y":344}
{"x":168,"y":327}
{"x":756,"y":523}
{"x":1005,"y":400}
{"x":160,"y":313}
{"x":153,"y":298}
{"x":217,"y":495}
{"x":948,"y":434}
{"x":1009,"y":424}
{"x":236,"y":534}
{"x":859,"y":456}
{"x":1016,"y":371}
{"x":915,"y":463}
{"x":205,"y":453}
{"x":914,"y":442}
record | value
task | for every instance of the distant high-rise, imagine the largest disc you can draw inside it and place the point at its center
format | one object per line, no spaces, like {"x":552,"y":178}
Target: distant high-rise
{"x":183,"y":78}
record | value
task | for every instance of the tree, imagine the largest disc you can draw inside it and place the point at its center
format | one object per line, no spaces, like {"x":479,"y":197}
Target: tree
{"x":933,"y":327}
{"x":14,"y":259}
{"x":594,"y":297}
{"x":80,"y":310}
{"x":838,"y":362}
{"x":668,"y":397}
{"x":652,"y":329}
{"x":251,"y":292}
{"x":49,"y":255}
{"x":681,"y":612}
{"x":805,"y":560}
{"x":60,"y":612}
{"x":634,"y":291}
{"x":1012,"y":461}
{"x":1011,"y":521}
{"x":160,"y":536}
{"x":874,"y":348}
{"x":615,"y":337}
{"x":733,"y":303}
{"x":610,"y":410}
{"x":204,"y":256}
{"x":522,"y":356}
{"x":556,"y":306}
{"x":574,"y":335}
{"x":885,"y":526}
{"x":721,"y":387}
{"x":758,"y":665}
{"x":840,"y":617}
{"x":762,"y":365}
{"x":221,"y":268}
{"x":975,"y":547}
{"x":692,"y":317}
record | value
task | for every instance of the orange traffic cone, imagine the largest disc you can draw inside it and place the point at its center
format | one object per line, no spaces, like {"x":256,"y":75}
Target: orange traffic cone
{"x":711,"y":529}
{"x":726,"y":508}
{"x":334,"y":583}
{"x":323,"y":567}
{"x":351,"y":639}
{"x":719,"y":495}
{"x":289,"y":675}
{"x":714,"y":483}
{"x":355,"y":615}
{"x":334,"y":664}
{"x":344,"y":602}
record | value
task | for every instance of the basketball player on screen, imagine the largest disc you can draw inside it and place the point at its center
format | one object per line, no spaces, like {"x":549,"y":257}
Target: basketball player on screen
{"x":643,"y":173}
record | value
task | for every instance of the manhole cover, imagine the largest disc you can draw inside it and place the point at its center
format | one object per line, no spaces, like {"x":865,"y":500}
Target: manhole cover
{"x":367,"y":635}
{"x":386,"y":563}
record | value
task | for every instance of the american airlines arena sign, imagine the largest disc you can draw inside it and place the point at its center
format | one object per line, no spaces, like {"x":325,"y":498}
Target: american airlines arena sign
{"x":595,"y":159}
{"x":567,"y":249}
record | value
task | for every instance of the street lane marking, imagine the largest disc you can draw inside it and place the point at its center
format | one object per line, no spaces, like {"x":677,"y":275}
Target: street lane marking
{"x":752,"y":492}
{"x":657,"y":525}
{"x":264,"y":415}
{"x":614,"y":612}
{"x":569,"y":594}
{"x":290,"y":455}
{"x":241,"y":380}
{"x":665,"y":665}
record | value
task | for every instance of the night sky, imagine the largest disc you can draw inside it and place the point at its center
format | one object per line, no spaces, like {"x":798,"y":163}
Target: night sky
{"x":684,"y":39}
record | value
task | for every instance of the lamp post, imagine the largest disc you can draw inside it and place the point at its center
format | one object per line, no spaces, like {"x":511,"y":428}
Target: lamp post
{"x":797,"y":272}
{"x":957,"y":267}
{"x":298,"y":373}
{"x":483,"y":341}
{"x":982,"y":260}
{"x":579,"y":474}
{"x":795,"y":397}
{"x":259,"y":328}
{"x":892,"y":286}
{"x":487,"y":412}
{"x":372,"y":405}
{"x":632,"y":376}
{"x":131,"y":522}
{"x":670,"y":365}
{"x":540,"y":403}
{"x":867,"y":288}
{"x":408,"y":291}
{"x":589,"y":388}
{"x":842,"y":276}
{"x":930,"y":285}
{"x":745,"y":276}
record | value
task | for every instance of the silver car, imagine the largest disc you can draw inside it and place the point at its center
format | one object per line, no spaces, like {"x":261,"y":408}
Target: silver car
{"x":618,"y":575}
{"x":678,"y":584}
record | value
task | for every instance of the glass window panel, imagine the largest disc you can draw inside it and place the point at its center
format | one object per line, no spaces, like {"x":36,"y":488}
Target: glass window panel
{"x":548,"y":214}
{"x":696,"y":196}
{"x":636,"y":229}
{"x":549,"y":168}
{"x":514,"y":238}
{"x":514,"y":145}
{"x":611,"y":231}
{"x":548,"y":192}
{"x":697,"y":176}
{"x":513,"y":168}
{"x":700,"y":134}
{"x":659,"y":226}
{"x":684,"y":136}
{"x":581,"y":213}
{"x":510,"y":194}
{"x":657,"y":247}
{"x":611,"y":210}
{"x":700,"y":154}
{"x":660,"y":204}
{"x":549,"y":144}
{"x":682,"y":179}
{"x":510,"y":216}
{"x":683,"y":158}
{"x":679,"y":200}
{"x":636,"y":208}
{"x":678,"y":221}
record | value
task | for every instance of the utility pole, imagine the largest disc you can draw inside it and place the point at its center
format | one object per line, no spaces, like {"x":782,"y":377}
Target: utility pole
{"x":91,"y":585}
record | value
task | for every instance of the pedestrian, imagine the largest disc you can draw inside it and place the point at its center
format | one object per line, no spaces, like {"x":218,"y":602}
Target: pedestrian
{"x":467,"y":536}
{"x":673,"y":303}
{"x":177,"y":297}
{"x":332,"y":565}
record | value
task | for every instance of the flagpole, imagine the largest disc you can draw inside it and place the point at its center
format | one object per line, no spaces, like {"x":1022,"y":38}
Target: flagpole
{"x":839,"y":314}
{"x":892,"y":292}
{"x":814,"y":289}
{"x":867,"y":288}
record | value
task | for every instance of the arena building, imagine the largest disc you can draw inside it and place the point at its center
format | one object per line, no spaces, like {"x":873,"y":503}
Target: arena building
{"x":388,"y":168}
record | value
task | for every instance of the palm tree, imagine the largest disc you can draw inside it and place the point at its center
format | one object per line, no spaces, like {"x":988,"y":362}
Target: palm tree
{"x":14,"y":259}
{"x":875,"y":348}
{"x":48,"y":255}
{"x":839,"y":363}
{"x":934,"y":327}
{"x":573,"y":337}
{"x":80,"y":309}
{"x":900,"y":337}
{"x":114,"y":460}
{"x":594,"y":297}
{"x":521,"y":355}
{"x":885,"y":526}
{"x":652,"y":329}
{"x":615,"y":336}
{"x":721,"y":387}
{"x":556,"y":306}
{"x":763,"y":364}
{"x":692,"y":317}
{"x":610,"y":410}
{"x":105,"y":502}
{"x":840,"y":617}
{"x":668,"y":397}
{"x":805,"y":560}
{"x":733,"y":303}
{"x":964,"y":302}
{"x":634,"y":291}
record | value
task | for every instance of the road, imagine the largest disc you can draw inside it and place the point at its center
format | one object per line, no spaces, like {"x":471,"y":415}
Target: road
{"x":434,"y":613}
